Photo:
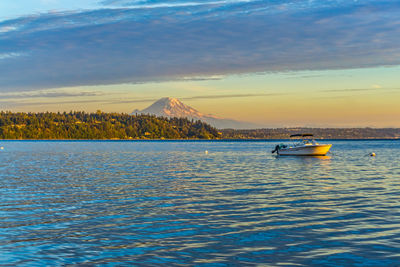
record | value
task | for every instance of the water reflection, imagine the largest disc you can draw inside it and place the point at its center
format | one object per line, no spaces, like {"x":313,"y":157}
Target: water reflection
{"x":172,"y":204}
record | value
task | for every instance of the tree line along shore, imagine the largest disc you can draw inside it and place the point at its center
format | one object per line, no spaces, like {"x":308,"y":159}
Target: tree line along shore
{"x":100,"y":125}
{"x":319,"y":133}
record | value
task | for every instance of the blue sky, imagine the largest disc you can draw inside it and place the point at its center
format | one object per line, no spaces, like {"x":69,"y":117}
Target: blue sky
{"x":84,"y":53}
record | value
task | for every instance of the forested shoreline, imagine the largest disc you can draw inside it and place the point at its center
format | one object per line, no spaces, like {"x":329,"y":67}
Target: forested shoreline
{"x":100,"y":125}
{"x":319,"y":133}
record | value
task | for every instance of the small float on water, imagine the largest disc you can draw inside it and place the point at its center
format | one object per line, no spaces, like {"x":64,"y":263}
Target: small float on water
{"x":306,"y":147}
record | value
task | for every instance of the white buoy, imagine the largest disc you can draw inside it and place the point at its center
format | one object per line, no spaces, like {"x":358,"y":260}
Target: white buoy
{"x":2,"y":148}
{"x":372,"y":154}
{"x":206,"y":152}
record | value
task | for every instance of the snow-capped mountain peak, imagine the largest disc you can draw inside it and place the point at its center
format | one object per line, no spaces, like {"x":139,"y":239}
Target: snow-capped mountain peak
{"x":173,"y":107}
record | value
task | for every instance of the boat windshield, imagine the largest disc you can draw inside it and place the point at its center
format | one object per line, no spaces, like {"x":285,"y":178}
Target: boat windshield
{"x":309,"y":142}
{"x":304,"y":141}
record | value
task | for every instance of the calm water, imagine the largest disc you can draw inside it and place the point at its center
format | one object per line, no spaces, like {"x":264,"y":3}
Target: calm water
{"x":169,"y":203}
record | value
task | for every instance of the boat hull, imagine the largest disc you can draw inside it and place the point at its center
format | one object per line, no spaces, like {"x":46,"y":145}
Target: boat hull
{"x":310,"y":150}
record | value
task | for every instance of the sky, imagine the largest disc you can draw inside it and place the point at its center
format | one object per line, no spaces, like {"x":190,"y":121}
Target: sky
{"x":286,"y":63}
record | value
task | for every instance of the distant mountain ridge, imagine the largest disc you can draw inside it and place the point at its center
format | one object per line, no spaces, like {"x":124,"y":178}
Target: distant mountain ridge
{"x":172,"y":107}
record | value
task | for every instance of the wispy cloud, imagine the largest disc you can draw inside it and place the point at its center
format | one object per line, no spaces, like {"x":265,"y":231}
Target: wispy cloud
{"x":165,"y":4}
{"x":48,"y":94}
{"x":349,"y":90}
{"x":230,"y":96}
{"x":181,"y":40}
{"x":4,"y":104}
{"x":6,"y":29}
{"x":199,"y":97}
{"x":10,"y":55}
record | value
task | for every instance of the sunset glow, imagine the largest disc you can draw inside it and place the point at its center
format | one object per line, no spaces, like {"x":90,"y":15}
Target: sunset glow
{"x":296,"y":63}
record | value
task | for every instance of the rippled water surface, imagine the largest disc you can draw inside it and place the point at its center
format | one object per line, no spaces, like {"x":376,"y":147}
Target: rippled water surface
{"x":170,"y":203}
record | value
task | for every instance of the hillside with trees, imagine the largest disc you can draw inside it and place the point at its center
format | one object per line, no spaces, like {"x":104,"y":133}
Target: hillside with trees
{"x":100,"y":125}
{"x":320,"y":133}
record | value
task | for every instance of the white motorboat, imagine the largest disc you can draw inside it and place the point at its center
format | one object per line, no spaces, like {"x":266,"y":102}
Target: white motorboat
{"x":306,"y":147}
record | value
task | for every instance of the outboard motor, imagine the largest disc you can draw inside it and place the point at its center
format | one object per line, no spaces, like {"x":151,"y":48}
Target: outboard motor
{"x":276,"y":149}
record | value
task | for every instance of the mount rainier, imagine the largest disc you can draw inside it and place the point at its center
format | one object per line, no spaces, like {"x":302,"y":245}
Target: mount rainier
{"x":172,"y":107}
